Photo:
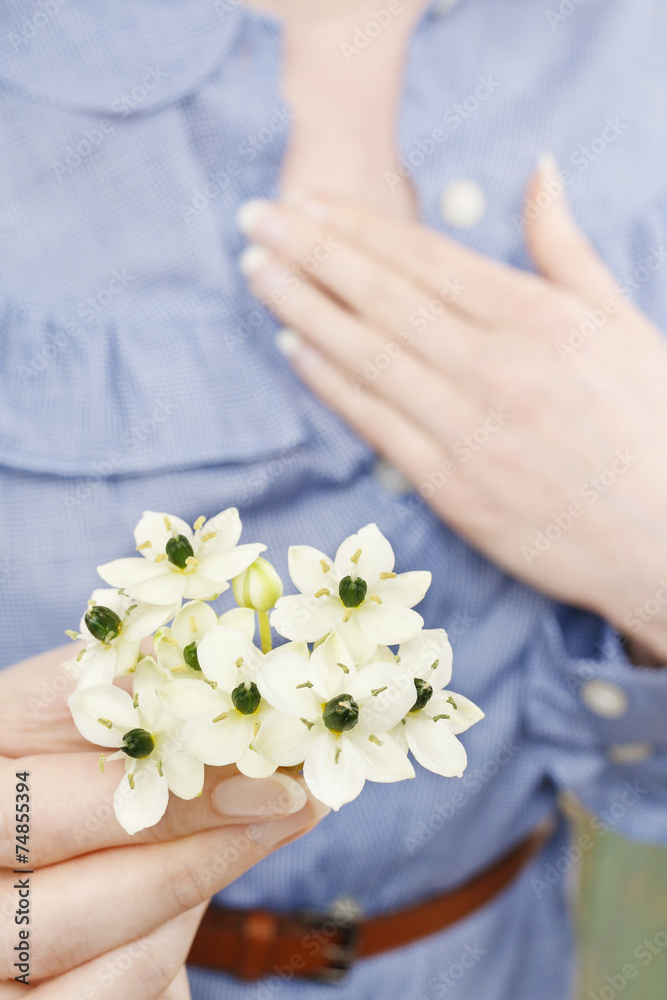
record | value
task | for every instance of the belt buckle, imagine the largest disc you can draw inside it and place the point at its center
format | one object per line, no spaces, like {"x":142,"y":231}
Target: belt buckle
{"x":340,"y":953}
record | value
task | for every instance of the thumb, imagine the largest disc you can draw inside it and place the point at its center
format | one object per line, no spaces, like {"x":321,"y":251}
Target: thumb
{"x":557,"y":246}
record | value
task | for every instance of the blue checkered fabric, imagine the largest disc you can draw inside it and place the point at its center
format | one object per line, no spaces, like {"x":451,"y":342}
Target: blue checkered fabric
{"x":137,"y":372}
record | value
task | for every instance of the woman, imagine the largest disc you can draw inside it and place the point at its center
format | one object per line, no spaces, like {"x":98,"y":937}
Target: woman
{"x":520,"y":418}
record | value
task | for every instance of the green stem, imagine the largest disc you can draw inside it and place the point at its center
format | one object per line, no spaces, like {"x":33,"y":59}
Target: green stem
{"x":264,"y":631}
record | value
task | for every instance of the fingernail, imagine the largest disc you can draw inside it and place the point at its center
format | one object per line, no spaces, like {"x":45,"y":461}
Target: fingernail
{"x":252,"y":260}
{"x":269,"y":836}
{"x":547,"y":165}
{"x":288,"y":342}
{"x":259,"y":220}
{"x":278,"y":795}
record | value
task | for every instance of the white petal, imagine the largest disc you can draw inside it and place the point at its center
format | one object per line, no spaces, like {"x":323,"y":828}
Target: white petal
{"x":184,"y":774}
{"x":362,"y":649}
{"x":377,"y":555}
{"x":221,"y":650}
{"x":398,"y":735}
{"x":144,"y":805}
{"x":430,"y":646}
{"x":192,"y":622}
{"x":224,"y":565}
{"x":97,"y":665}
{"x":388,"y":623}
{"x":153,"y":583}
{"x":334,"y":777}
{"x":227,"y":527}
{"x":465,"y":715}
{"x":146,"y":619}
{"x":200,"y":588}
{"x":407,"y":589}
{"x":190,"y":698}
{"x":89,"y":705}
{"x":385,"y":762}
{"x":329,"y":677}
{"x":152,"y":528}
{"x":218,"y":743}
{"x":284,"y":682}
{"x":381,"y":712}
{"x":146,"y":680}
{"x":242,"y":619}
{"x":306,"y":569}
{"x":435,"y":746}
{"x":284,"y":739}
{"x":168,"y":656}
{"x":307,"y":618}
{"x":254,"y":765}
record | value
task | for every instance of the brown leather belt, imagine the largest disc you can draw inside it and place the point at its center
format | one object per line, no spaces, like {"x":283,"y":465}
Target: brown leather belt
{"x":252,"y":944}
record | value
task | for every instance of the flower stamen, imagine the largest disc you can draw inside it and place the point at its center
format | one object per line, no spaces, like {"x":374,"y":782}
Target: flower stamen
{"x":325,"y":565}
{"x":322,"y":592}
{"x":356,"y":557}
{"x":387,"y":576}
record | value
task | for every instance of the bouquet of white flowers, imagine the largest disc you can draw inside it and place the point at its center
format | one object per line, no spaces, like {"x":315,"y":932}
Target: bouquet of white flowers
{"x":346,"y":707}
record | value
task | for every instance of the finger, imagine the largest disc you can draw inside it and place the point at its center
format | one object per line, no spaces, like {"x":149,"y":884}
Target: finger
{"x":384,"y":427}
{"x":558,"y":247}
{"x":180,"y":988}
{"x":375,"y":289}
{"x":34,"y":717}
{"x":425,"y":392}
{"x":150,"y":968}
{"x":477,"y":286}
{"x":71,"y":806}
{"x":94,"y":904}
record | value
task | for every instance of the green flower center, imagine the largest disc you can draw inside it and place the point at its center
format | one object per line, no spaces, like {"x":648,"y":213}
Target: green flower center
{"x":103,"y":623}
{"x":190,"y":656}
{"x":178,"y":551}
{"x":138,"y":743}
{"x":341,"y":713}
{"x":352,"y":592}
{"x":424,"y":694}
{"x":246,"y":698}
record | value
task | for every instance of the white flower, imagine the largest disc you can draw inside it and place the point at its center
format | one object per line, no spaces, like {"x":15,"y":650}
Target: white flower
{"x":223,"y":709}
{"x":334,"y":718}
{"x":430,"y":728}
{"x":114,"y":626}
{"x":147,"y":738}
{"x":177,"y":562}
{"x":176,"y":648}
{"x":357,"y":593}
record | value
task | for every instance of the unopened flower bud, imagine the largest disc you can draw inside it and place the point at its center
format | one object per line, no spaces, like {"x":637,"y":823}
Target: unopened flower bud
{"x":258,"y":587}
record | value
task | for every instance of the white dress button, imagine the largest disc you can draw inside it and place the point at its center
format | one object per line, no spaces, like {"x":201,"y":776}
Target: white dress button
{"x":443,"y":7}
{"x":462,"y":204}
{"x":390,"y":478}
{"x":604,"y":699}
{"x":630,"y":753}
